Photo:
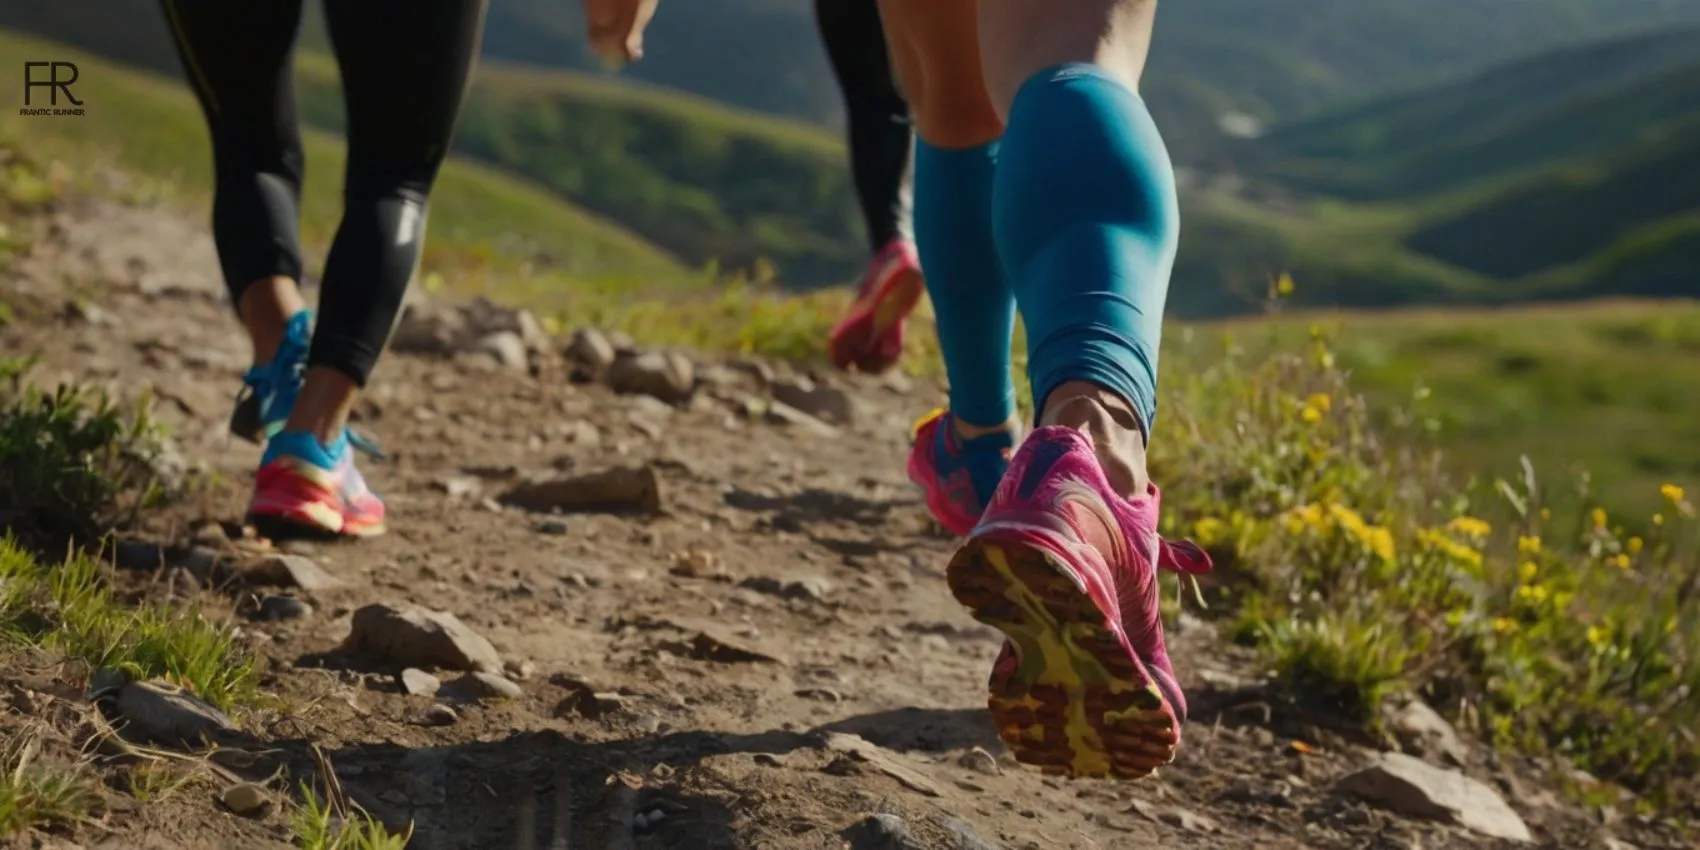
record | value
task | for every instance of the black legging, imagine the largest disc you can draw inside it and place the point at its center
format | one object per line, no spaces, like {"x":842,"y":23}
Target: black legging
{"x":880,"y":134}
{"x":405,"y":66}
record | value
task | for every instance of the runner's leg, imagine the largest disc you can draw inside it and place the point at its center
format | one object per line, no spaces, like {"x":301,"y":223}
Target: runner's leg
{"x":405,"y":66}
{"x":960,"y":455}
{"x":236,"y":58}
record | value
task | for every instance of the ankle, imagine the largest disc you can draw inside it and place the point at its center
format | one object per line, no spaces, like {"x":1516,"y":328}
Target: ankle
{"x":965,"y":430}
{"x":267,"y":307}
{"x":1117,"y":433}
{"x":323,"y":406}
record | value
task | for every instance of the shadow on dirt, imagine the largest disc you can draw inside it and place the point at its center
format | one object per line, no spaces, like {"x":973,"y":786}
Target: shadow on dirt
{"x":545,"y":790}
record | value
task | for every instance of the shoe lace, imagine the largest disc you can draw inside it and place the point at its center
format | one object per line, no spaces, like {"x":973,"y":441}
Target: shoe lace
{"x":286,"y":372}
{"x":1188,"y":561}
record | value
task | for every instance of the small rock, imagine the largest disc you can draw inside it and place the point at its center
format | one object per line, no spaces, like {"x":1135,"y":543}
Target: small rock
{"x":457,"y":486}
{"x":1414,"y":788}
{"x":440,"y":715}
{"x":1424,"y":732}
{"x":479,"y":686}
{"x":246,"y":799}
{"x":979,"y":761}
{"x":883,"y":832}
{"x":520,"y":670}
{"x":508,"y":350}
{"x":428,"y":329}
{"x":780,"y":413}
{"x":291,"y":570}
{"x":78,"y":310}
{"x":665,"y":375}
{"x":830,"y":404}
{"x":592,"y":704}
{"x":418,"y":637}
{"x":590,"y":352}
{"x":580,"y":433}
{"x":419,"y":683}
{"x":212,"y":536}
{"x":620,"y":488}
{"x":278,"y":607}
{"x":812,"y":588}
{"x":883,"y":760}
{"x":551,"y":527}
{"x":698,"y":563}
{"x":963,"y":836}
{"x":156,"y":710}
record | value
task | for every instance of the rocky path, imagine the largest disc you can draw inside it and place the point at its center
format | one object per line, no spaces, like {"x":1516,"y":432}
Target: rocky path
{"x":673,"y":616}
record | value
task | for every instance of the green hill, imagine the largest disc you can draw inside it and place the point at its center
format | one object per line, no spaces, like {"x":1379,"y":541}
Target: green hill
{"x":704,"y":181}
{"x":151,"y":127}
{"x":1272,"y":61}
{"x":1517,"y":118}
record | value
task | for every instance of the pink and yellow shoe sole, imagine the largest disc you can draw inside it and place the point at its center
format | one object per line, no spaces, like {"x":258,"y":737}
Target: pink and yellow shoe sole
{"x":1077,"y":701}
{"x":870,"y":338}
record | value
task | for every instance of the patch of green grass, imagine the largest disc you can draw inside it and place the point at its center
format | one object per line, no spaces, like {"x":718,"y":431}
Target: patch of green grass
{"x":71,"y":463}
{"x":320,"y":826}
{"x":69,"y":607}
{"x":35,"y":794}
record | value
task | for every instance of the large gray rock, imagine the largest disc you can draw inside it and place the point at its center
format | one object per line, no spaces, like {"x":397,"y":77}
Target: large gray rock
{"x":1415,"y":788}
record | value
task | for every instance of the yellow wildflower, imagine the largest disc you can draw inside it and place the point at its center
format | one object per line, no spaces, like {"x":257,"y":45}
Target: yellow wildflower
{"x":1450,"y":548}
{"x":1634,"y":545}
{"x":1546,"y":513}
{"x":1527,"y":570}
{"x":1379,"y":540}
{"x":1529,"y":545}
{"x":1504,"y":625}
{"x":1320,"y":401}
{"x":1347,"y":518}
{"x":1534,"y":594}
{"x":1621,"y":562}
{"x":1598,"y":515}
{"x":1672,"y":493}
{"x":1310,"y":414}
{"x":1658,"y":519}
{"x":1599,"y":636}
{"x":1469,"y":526}
{"x":1284,"y":285}
{"x":1209,"y":531}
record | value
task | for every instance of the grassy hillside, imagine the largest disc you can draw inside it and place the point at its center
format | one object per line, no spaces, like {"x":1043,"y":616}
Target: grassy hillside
{"x":1599,"y":387}
{"x":707,"y":182}
{"x":1517,"y":118}
{"x":1567,"y":175}
{"x":151,"y":126}
{"x":1211,"y":56}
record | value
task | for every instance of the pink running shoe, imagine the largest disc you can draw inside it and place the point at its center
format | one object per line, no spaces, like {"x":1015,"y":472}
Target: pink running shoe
{"x":958,"y":476}
{"x":1067,"y":570}
{"x":870,"y":337}
{"x":303,"y":488}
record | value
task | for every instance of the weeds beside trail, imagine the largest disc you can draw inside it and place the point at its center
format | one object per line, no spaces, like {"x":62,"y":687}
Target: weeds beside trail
{"x":1361,"y":571}
{"x":71,"y":466}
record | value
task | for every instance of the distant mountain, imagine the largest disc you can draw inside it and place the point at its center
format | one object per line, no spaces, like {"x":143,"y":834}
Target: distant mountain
{"x":1271,"y":61}
{"x":1565,"y":170}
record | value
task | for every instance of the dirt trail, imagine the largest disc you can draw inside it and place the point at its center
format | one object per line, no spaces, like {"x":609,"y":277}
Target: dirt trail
{"x":765,"y":662}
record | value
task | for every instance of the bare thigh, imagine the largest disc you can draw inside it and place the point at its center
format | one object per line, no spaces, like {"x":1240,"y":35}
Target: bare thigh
{"x":935,"y":47}
{"x":1019,"y":38}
